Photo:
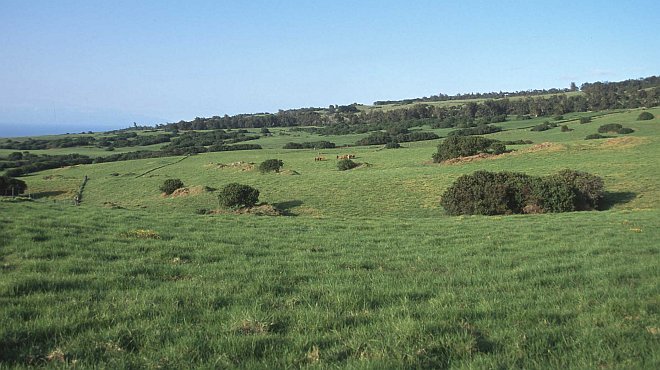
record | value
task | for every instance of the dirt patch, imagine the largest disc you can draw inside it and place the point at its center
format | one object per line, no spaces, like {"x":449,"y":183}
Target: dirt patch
{"x":472,"y":158}
{"x":260,"y":210}
{"x":191,"y":191}
{"x":240,"y":165}
{"x":623,"y":142}
{"x":543,"y":147}
{"x":112,"y":205}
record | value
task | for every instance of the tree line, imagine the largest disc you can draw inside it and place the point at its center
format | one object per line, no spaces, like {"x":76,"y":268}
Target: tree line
{"x":595,"y":96}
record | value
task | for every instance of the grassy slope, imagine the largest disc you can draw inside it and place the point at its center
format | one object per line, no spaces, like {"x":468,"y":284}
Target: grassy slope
{"x":370,"y":273}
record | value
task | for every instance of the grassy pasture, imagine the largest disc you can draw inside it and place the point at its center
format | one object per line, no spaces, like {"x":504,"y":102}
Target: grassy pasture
{"x":367,"y":273}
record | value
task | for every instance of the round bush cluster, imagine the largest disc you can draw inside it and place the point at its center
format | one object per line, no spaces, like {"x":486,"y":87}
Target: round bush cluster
{"x":463,"y":146}
{"x":270,"y":165}
{"x":170,"y":186}
{"x":645,"y":116}
{"x":489,"y":193}
{"x":346,"y":164}
{"x":392,"y":145}
{"x":610,"y":127}
{"x":236,"y":195}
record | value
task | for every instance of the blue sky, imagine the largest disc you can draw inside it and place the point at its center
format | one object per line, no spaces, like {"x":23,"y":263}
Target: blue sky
{"x":98,"y":65}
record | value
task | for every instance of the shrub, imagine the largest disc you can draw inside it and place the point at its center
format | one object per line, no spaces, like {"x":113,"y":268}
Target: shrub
{"x":558,"y":118}
{"x":270,"y":165}
{"x":544,"y":126}
{"x":588,"y":188}
{"x":594,"y":136}
{"x":346,"y":164}
{"x":478,"y":130}
{"x":11,"y":186}
{"x":392,"y":145}
{"x":565,"y":128}
{"x":610,"y":127}
{"x":488,"y":193}
{"x":170,"y":185}
{"x":625,"y":130}
{"x":236,"y":195}
{"x":585,"y":120}
{"x":463,"y":146}
{"x":552,"y":195}
{"x":15,"y":156}
{"x":645,"y":116}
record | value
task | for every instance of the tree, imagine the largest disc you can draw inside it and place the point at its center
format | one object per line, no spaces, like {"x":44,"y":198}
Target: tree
{"x":271,"y":165}
{"x":236,"y":195}
{"x":11,"y":186}
{"x":171,"y":185}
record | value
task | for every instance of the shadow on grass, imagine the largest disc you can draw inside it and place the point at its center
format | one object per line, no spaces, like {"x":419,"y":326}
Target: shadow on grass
{"x":285,"y":207}
{"x":619,"y":197}
{"x":46,"y":194}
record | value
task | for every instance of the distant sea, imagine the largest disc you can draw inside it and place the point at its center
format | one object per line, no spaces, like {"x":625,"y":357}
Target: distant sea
{"x":22,"y":130}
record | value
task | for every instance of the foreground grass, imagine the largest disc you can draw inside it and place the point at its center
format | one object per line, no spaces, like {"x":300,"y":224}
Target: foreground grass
{"x":368,"y":274}
{"x":87,"y":286}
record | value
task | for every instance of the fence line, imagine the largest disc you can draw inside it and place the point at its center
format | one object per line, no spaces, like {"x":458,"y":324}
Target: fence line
{"x":159,"y":167}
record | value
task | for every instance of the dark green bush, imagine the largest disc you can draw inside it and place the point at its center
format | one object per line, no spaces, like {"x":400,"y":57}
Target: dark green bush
{"x":270,"y":165}
{"x":588,"y":188}
{"x":392,"y":145}
{"x":11,"y":186}
{"x":558,"y":118}
{"x":170,"y":185}
{"x":610,"y":127}
{"x":645,"y":116}
{"x":565,"y":128}
{"x":463,"y":146}
{"x":15,"y":156}
{"x":346,"y":164}
{"x":488,"y":193}
{"x":585,"y":120}
{"x":625,"y":130}
{"x":236,"y":195}
{"x":544,"y":126}
{"x":594,"y":136}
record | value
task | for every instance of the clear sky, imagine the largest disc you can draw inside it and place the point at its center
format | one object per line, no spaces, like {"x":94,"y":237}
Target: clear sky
{"x":97,"y":65}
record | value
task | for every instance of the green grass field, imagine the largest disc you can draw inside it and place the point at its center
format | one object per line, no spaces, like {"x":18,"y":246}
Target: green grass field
{"x":366,"y":272}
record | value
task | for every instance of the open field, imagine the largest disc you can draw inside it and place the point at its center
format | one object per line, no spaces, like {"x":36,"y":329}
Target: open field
{"x":365,"y":272}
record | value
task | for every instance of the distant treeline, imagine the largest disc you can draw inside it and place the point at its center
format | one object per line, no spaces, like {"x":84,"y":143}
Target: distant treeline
{"x":18,"y":164}
{"x":596,"y":96}
{"x":123,"y":139}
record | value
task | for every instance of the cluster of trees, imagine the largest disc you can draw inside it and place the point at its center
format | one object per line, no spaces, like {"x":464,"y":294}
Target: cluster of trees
{"x":545,"y":126}
{"x":597,"y":96}
{"x":385,"y":137}
{"x":213,"y":141}
{"x":472,"y":96}
{"x":29,"y":163}
{"x":477,"y":130}
{"x":488,"y":193}
{"x":123,"y":139}
{"x":464,"y":146}
{"x":310,"y":145}
{"x":11,"y":186}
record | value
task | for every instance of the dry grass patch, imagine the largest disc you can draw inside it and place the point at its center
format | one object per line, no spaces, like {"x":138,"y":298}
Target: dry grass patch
{"x":190,"y":191}
{"x":253,"y":327}
{"x":141,"y":234}
{"x":623,"y":142}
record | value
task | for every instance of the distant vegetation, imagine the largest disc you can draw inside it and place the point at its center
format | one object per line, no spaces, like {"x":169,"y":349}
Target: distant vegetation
{"x":463,"y":146}
{"x":594,"y":96}
{"x":310,"y":145}
{"x":544,"y":126}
